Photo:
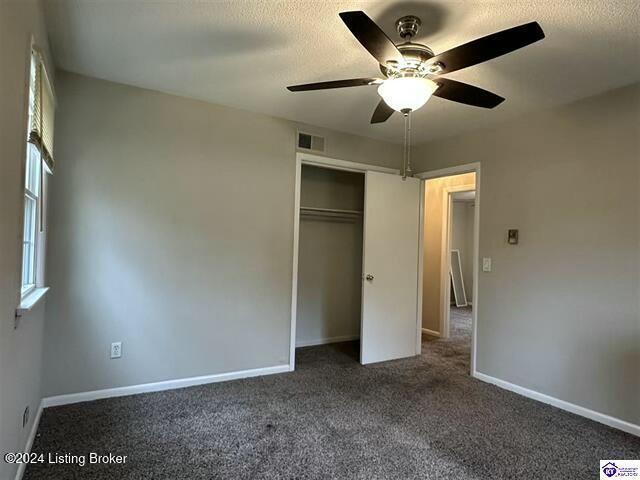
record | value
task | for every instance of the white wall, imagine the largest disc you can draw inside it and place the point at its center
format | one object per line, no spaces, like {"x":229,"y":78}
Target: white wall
{"x":171,"y":231}
{"x":462,"y":217}
{"x":21,"y":348}
{"x":560,"y":312}
{"x":330,"y":258}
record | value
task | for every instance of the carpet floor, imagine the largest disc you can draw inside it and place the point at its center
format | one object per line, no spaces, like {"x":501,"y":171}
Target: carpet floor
{"x":422,"y":417}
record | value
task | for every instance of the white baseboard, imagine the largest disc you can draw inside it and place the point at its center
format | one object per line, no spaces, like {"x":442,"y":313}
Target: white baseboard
{"x":556,"y":402}
{"x":433,"y":333}
{"x":325,"y":341}
{"x":32,"y":436}
{"x":159,"y":386}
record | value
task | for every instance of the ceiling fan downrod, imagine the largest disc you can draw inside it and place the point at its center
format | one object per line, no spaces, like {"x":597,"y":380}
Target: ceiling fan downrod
{"x":408,"y":27}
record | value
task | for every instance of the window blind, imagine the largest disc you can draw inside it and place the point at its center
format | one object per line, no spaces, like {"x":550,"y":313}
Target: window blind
{"x":42,"y":111}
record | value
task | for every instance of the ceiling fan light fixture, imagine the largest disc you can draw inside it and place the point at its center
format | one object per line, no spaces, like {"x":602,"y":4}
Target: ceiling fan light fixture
{"x":407,"y":93}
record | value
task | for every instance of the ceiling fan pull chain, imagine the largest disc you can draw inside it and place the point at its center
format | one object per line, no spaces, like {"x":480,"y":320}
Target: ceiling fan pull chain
{"x":406,"y":154}
{"x":408,"y":170}
{"x":405,"y":149}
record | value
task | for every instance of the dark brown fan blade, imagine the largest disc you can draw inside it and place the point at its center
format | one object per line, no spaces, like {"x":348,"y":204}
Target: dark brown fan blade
{"x":371,"y":37}
{"x":465,"y":93}
{"x":382,"y":112}
{"x":353,"y":82}
{"x":491,"y":46}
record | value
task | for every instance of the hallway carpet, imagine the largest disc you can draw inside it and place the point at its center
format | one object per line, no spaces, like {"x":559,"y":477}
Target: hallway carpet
{"x":421,"y":417}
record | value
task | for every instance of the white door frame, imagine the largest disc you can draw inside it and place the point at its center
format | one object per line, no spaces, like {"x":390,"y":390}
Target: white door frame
{"x":456,"y":170}
{"x":303,"y":158}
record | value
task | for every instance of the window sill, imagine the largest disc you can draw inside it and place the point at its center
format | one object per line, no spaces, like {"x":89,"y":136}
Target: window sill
{"x":29,"y":301}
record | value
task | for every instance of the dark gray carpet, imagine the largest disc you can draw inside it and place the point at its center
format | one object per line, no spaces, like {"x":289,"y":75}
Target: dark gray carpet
{"x":422,"y":417}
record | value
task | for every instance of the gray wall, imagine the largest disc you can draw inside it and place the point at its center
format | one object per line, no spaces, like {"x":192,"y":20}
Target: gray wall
{"x":462,"y":239}
{"x":171,"y":231}
{"x":330,"y":258}
{"x":560,"y":312}
{"x":21,"y":348}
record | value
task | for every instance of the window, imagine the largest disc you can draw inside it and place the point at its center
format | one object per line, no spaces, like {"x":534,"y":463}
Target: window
{"x":39,"y":160}
{"x":31,"y":219}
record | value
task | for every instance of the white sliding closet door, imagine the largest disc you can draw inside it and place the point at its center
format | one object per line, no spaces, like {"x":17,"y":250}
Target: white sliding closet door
{"x":390,"y":267}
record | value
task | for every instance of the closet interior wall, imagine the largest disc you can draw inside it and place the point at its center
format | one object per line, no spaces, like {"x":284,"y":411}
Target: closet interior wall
{"x":330,"y":256}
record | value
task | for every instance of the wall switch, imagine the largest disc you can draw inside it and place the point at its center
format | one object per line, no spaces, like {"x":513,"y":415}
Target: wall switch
{"x":116,"y":349}
{"x":486,"y":264}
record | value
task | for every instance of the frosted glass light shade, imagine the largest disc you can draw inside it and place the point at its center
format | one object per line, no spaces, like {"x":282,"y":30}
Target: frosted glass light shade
{"x":407,"y":92}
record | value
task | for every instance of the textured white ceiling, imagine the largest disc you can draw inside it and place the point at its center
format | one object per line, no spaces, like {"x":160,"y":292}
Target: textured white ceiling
{"x":243,"y":54}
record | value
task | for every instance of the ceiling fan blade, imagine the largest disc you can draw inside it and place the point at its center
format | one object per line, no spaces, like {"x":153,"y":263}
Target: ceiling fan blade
{"x":353,"y":82}
{"x":371,"y":37}
{"x":465,"y":93}
{"x":382,"y":112}
{"x":491,"y":46}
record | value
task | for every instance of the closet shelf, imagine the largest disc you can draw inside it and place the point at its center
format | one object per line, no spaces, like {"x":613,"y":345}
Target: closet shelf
{"x":329,"y":212}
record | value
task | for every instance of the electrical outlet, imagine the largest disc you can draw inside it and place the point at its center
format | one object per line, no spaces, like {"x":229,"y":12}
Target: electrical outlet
{"x":116,"y":349}
{"x":25,"y":416}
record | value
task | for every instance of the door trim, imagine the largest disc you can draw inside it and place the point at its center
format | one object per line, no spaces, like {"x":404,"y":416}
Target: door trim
{"x":455,"y":170}
{"x":303,"y":158}
{"x":337,"y":164}
{"x":420,"y":269}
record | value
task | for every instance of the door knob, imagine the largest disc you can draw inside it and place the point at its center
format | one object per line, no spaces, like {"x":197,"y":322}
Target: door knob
{"x":369,"y":277}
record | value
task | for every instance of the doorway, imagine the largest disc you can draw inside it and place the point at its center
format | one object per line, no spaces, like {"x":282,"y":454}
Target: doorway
{"x":458,"y":319}
{"x":450,"y":262}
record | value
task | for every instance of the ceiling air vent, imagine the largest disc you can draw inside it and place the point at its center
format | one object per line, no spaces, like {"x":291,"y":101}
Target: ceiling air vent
{"x":306,"y":141}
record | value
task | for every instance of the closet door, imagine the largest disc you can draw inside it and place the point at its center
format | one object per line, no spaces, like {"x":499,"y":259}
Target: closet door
{"x":390,"y":268}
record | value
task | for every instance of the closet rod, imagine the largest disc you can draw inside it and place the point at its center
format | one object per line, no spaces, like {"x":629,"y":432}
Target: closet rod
{"x":332,"y":212}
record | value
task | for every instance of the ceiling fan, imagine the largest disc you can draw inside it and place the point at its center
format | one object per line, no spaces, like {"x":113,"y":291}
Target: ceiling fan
{"x":413,"y":72}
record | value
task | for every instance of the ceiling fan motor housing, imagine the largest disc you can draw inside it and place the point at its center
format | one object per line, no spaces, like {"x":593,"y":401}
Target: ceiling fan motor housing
{"x":416,"y":55}
{"x":416,"y":58}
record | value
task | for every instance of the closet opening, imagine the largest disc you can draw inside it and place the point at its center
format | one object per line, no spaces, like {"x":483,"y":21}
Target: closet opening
{"x":329,"y":279}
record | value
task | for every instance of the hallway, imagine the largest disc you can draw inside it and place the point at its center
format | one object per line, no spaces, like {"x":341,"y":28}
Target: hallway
{"x":453,"y":352}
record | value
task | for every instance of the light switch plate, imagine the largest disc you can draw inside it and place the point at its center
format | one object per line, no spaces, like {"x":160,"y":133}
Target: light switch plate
{"x":486,"y":264}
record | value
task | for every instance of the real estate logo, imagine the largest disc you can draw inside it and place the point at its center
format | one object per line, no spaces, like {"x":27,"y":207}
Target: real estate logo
{"x":619,"y":469}
{"x":610,"y":469}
